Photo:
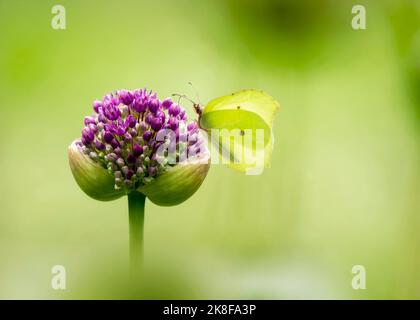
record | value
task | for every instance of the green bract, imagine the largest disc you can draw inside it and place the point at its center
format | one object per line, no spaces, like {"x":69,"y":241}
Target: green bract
{"x":178,"y":184}
{"x":91,"y":177}
{"x":171,"y":188}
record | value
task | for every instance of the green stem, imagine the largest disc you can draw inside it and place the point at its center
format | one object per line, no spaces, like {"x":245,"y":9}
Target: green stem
{"x":136,"y":201}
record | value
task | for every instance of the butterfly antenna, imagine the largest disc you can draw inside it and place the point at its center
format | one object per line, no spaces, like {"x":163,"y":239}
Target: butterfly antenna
{"x":197,"y":106}
{"x":195,"y":91}
{"x":180,"y":96}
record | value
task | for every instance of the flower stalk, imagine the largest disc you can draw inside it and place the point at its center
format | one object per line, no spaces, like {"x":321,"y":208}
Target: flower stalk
{"x":136,"y":204}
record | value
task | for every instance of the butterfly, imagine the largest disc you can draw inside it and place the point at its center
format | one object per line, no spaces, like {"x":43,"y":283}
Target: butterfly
{"x":248,"y":112}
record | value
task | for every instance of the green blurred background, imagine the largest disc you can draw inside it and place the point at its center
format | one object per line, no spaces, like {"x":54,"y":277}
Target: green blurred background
{"x":344,"y":184}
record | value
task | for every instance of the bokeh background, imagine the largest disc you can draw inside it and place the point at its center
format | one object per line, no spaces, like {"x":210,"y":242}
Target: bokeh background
{"x":343,"y":189}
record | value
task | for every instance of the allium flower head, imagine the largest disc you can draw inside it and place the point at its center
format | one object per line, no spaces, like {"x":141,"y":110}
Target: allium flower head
{"x":126,"y":131}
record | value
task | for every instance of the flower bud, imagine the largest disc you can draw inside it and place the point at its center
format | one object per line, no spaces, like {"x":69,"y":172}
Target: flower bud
{"x":120,"y":162}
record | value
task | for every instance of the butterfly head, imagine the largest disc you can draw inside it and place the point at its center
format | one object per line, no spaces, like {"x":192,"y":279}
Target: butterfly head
{"x":198,"y":108}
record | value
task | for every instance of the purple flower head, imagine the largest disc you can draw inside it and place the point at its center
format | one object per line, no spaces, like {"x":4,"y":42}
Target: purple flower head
{"x":99,"y":145}
{"x":130,"y":121}
{"x":114,"y":143}
{"x":173,"y":123}
{"x":126,"y":97}
{"x":111,"y":111}
{"x":183,"y":115}
{"x":129,"y":174}
{"x":167,"y":103}
{"x":137,"y":149}
{"x":88,"y":134}
{"x":161,"y":115}
{"x":119,"y":130}
{"x":154,"y":105}
{"x":147,"y":135}
{"x":152,"y":171}
{"x":108,"y":136}
{"x":192,"y":127}
{"x":174,"y":109}
{"x":128,"y":137}
{"x":122,"y":135}
{"x":156,"y":124}
{"x":139,"y":105}
{"x":102,"y":118}
{"x":117,"y":151}
{"x":143,"y":126}
{"x":97,"y":105}
{"x":133,"y":132}
{"x":131,"y":158}
{"x":90,"y":120}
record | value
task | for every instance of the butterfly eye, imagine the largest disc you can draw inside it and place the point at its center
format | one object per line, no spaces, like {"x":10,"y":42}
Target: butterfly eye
{"x":198,"y":108}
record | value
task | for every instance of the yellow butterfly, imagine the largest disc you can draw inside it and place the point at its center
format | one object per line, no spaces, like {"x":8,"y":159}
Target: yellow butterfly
{"x":247,"y":111}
